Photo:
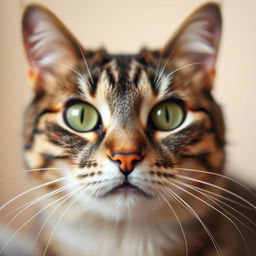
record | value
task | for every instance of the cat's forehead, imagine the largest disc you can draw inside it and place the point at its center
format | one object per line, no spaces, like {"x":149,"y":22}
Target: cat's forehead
{"x":130,"y":80}
{"x":126,"y":82}
{"x":122,"y":84}
{"x":123,"y":69}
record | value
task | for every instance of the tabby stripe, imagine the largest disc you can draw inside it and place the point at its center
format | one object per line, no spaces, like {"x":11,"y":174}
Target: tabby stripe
{"x":94,"y":85}
{"x":48,"y":159}
{"x":35,"y":130}
{"x":111,"y":77}
{"x":62,"y":137}
{"x":188,"y":136}
{"x":90,"y":150}
{"x":219,"y":140}
{"x":123,"y":64}
{"x":202,"y":157}
{"x":167,"y":162}
{"x":154,"y":88}
{"x":137,"y":76}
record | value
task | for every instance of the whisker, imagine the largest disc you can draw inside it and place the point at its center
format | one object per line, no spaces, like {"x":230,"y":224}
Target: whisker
{"x":80,"y":76}
{"x":158,"y":66}
{"x":193,"y":212}
{"x":32,"y":170}
{"x":178,"y":220}
{"x":226,"y":198}
{"x":51,"y":213}
{"x":218,"y":187}
{"x":36,"y":200}
{"x":33,"y":202}
{"x":31,"y":190}
{"x":81,"y":189}
{"x":211,"y":206}
{"x":175,"y":71}
{"x":98,"y":191}
{"x":163,"y":67}
{"x":222,"y":176}
{"x":65,"y":66}
{"x":206,"y":192}
{"x":85,"y":62}
{"x":157,"y":75}
{"x":184,"y":66}
{"x":30,"y":219}
{"x":214,"y":199}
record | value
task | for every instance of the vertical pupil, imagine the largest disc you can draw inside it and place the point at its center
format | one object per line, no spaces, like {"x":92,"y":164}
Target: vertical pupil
{"x":82,"y":116}
{"x":167,"y":116}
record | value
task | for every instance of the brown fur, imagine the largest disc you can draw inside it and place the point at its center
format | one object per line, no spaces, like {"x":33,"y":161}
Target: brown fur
{"x":124,"y":89}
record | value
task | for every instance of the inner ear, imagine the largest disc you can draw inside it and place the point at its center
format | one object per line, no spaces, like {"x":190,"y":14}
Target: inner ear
{"x":49,"y":46}
{"x":195,"y":44}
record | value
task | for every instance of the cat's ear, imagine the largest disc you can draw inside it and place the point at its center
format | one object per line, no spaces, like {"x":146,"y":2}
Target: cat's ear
{"x":50,"y":47}
{"x":195,"y":45}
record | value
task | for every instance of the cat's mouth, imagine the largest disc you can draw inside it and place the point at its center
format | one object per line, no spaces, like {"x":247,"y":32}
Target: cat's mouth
{"x":126,"y":188}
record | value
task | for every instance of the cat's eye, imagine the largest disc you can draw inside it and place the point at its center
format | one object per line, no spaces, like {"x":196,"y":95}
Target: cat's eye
{"x":81,"y":117}
{"x":167,"y":116}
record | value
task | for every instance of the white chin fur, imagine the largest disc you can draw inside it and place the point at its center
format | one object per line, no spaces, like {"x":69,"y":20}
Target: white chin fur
{"x":120,"y":207}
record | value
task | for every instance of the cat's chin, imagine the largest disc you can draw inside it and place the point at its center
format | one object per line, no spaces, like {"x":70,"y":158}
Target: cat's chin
{"x":122,"y":204}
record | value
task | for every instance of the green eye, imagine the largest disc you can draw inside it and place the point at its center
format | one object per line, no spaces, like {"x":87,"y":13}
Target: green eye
{"x":81,"y":117}
{"x":167,"y":116}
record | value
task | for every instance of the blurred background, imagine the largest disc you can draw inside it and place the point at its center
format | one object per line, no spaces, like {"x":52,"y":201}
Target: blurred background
{"x":125,"y":26}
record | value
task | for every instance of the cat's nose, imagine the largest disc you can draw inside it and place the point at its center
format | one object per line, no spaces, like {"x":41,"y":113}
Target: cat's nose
{"x":126,"y":161}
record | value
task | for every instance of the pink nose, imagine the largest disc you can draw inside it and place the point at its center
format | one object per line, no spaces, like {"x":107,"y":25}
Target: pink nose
{"x":126,"y":160}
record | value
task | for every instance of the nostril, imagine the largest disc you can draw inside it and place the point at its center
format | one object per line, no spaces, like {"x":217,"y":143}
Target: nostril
{"x":118,"y":161}
{"x":137,"y":159}
{"x":134,"y":162}
{"x":126,"y":160}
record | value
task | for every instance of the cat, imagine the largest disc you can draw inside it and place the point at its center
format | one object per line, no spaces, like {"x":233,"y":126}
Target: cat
{"x":128,"y":151}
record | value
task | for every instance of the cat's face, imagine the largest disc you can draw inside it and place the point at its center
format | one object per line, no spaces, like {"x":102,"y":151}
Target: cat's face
{"x":119,"y":130}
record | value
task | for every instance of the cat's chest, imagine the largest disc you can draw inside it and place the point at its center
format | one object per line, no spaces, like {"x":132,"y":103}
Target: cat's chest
{"x":90,"y":237}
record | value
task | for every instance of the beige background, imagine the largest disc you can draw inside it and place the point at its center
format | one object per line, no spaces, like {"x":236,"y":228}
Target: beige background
{"x":124,"y":26}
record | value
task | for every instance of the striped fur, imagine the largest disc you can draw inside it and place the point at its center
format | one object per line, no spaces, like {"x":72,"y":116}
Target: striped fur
{"x":124,"y":89}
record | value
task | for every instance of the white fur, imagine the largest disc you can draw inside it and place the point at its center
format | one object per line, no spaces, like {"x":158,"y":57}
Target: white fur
{"x":94,"y":236}
{"x":120,"y":225}
{"x":164,"y":84}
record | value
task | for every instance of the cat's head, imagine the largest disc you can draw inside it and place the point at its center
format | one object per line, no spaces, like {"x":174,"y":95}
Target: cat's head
{"x":121,"y":132}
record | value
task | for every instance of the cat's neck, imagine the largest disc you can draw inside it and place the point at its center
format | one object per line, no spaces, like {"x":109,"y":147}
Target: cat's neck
{"x":95,"y":236}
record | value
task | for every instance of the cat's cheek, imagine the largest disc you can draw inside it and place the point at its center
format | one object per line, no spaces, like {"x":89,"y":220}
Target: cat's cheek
{"x":108,"y":168}
{"x":37,"y":156}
